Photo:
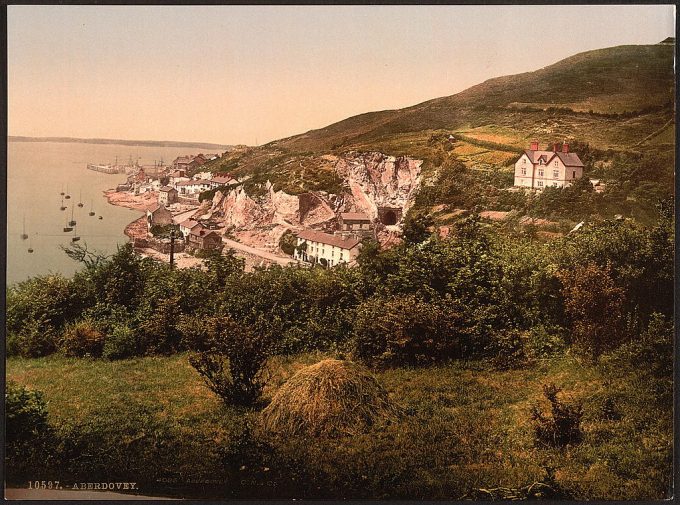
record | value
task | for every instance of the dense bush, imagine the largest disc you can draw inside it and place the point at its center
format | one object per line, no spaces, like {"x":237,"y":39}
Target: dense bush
{"x":82,"y":338}
{"x":594,"y":305}
{"x":405,"y":330}
{"x":38,"y":309}
{"x":232,"y":365}
{"x":28,"y":433}
{"x":287,"y":242}
{"x":121,"y":343}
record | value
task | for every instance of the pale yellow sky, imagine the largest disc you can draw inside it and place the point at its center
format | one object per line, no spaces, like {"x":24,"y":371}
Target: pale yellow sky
{"x":247,"y":74}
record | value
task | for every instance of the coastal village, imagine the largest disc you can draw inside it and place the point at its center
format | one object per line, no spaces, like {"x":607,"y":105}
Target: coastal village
{"x":178,"y":221}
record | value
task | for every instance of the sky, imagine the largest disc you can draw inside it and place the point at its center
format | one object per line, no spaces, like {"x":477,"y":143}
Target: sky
{"x":251,"y":74}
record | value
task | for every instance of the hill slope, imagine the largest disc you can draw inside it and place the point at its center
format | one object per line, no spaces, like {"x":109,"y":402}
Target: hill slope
{"x":605,"y":81}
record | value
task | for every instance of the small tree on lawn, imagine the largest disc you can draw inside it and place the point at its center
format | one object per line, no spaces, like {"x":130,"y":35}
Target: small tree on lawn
{"x":233,"y":361}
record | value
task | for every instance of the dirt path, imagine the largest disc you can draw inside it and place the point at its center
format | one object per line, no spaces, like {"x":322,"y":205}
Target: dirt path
{"x":281,"y":260}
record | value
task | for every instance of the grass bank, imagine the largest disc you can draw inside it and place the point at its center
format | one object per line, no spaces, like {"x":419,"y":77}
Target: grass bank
{"x":467,"y":426}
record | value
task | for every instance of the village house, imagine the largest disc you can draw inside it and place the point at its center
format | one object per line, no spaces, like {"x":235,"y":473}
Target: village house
{"x":187,"y":163}
{"x":355,"y":223}
{"x":192,"y":188}
{"x":167,"y":195}
{"x":176,"y":176}
{"x":158,"y":215}
{"x":537,"y":169}
{"x":222,"y":180}
{"x":325,"y":249}
{"x":185,"y":227}
{"x":202,"y":238}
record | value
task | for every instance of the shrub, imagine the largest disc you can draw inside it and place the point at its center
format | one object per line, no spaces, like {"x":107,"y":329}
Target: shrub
{"x":594,"y":305}
{"x":36,"y":338}
{"x":82,"y":339}
{"x":562,"y":426}
{"x":121,"y":343}
{"x":232,"y":366}
{"x":157,"y":330}
{"x":28,"y":432}
{"x":287,"y":242}
{"x":404,"y":330}
{"x":508,"y":349}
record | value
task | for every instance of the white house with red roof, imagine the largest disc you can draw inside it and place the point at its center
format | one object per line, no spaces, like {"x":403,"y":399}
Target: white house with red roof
{"x":538,"y":169}
{"x":328,"y":250}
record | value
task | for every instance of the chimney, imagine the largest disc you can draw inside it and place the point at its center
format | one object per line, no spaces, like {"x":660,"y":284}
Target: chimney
{"x":565,"y":148}
{"x":534,"y":145}
{"x":555,"y":147}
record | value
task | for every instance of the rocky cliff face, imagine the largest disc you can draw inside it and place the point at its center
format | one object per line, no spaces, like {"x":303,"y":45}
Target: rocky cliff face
{"x":373,"y":180}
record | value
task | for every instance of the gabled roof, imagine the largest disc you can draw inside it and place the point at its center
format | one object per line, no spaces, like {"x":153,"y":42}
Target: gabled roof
{"x":192,"y":182}
{"x":223,"y":179}
{"x":189,"y":223}
{"x":201,"y":231}
{"x":354,"y":216}
{"x":166,"y":189}
{"x":327,"y":238}
{"x":569,"y":159}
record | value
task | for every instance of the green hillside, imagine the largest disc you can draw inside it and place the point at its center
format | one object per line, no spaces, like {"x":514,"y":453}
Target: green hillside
{"x":609,"y":102}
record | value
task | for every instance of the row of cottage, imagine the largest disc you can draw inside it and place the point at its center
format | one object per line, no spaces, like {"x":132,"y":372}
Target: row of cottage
{"x":175,"y":182}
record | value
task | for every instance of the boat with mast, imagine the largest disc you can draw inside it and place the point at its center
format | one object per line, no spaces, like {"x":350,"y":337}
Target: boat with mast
{"x":75,"y":237}
{"x":63,"y":207}
{"x":24,"y":235}
{"x":30,"y":246}
{"x":72,"y":222}
{"x":67,"y":196}
{"x":80,"y":199}
{"x":91,"y":213}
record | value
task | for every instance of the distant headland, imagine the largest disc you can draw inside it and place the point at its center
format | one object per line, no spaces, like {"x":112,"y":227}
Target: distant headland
{"x":148,"y":143}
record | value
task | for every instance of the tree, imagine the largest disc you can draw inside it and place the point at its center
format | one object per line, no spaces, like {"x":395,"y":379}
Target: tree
{"x":417,"y":227}
{"x":594,"y":306}
{"x":232,"y":364}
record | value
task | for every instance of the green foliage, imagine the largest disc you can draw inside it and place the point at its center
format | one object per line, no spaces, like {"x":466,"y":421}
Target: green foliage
{"x":38,"y":309}
{"x":417,"y":227}
{"x":28,"y":433}
{"x":165,"y":230}
{"x":288,"y":242}
{"x":405,"y":330}
{"x":121,"y":343}
{"x":594,"y":305}
{"x":232,"y":363}
{"x":83,"y":338}
{"x":562,"y":426}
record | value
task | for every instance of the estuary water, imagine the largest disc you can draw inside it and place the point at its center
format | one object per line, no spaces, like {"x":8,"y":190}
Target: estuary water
{"x":37,"y":172}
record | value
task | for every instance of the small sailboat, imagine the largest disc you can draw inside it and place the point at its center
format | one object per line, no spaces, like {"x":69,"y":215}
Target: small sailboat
{"x":30,"y":246}
{"x":72,"y":222}
{"x":75,"y":237}
{"x":62,"y":190}
{"x":24,"y":235}
{"x":91,"y":213}
{"x":67,"y":195}
{"x":63,"y":207}
{"x":101,"y":217}
{"x":80,"y":199}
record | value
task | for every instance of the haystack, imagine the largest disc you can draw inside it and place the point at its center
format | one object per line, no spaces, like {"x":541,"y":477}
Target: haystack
{"x":330,"y":398}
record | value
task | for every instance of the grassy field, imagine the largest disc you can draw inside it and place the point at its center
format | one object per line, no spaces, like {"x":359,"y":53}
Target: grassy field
{"x":467,"y":426}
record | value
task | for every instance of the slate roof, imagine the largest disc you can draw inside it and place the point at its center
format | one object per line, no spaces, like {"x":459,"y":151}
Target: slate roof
{"x":569,"y":159}
{"x":327,"y":238}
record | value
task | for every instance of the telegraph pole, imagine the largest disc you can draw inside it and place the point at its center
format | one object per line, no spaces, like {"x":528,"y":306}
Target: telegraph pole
{"x":172,"y":248}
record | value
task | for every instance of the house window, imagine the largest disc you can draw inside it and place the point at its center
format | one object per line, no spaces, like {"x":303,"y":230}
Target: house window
{"x":540,"y":172}
{"x":524,"y":161}
{"x":573,"y":176}
{"x":556,"y":163}
{"x":556,"y":174}
{"x":539,"y":184}
{"x":524,"y":171}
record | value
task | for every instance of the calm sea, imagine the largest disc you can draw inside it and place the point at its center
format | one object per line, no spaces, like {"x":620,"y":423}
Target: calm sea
{"x":37,"y":173}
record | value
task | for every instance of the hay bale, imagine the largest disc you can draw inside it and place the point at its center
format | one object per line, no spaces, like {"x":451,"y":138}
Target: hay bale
{"x":330,"y":398}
